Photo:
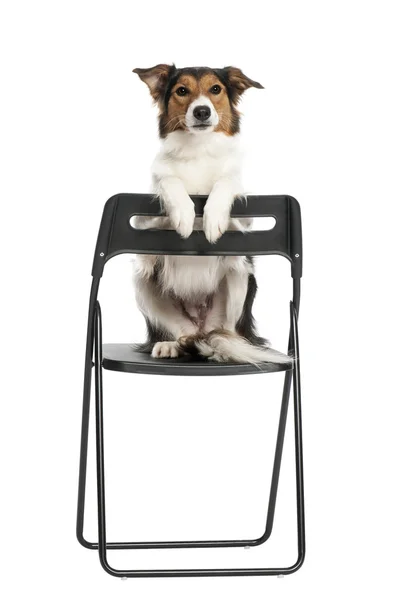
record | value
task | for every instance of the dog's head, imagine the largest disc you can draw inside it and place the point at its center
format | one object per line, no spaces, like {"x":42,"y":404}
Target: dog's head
{"x":196,"y":99}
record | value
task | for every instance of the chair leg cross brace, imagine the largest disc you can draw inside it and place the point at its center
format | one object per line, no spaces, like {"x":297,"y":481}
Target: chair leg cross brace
{"x":95,"y":341}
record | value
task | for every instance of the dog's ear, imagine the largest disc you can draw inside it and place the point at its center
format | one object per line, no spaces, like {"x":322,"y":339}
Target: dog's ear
{"x":156,"y":79}
{"x":239,"y":82}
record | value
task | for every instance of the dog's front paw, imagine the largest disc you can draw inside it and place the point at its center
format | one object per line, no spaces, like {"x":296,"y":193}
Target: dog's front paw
{"x":166,"y":350}
{"x":215,"y":222}
{"x":182,"y":217}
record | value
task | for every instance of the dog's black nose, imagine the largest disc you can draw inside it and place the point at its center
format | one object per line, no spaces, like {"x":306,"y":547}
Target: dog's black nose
{"x":202,"y":113}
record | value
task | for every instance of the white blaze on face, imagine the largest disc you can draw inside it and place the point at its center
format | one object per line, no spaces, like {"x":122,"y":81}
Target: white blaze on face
{"x":192,"y":122}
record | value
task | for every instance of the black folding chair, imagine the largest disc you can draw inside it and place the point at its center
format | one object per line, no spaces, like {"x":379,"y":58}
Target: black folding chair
{"x":117,"y":236}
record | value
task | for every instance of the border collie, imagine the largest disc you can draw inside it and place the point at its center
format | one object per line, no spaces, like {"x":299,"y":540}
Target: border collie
{"x":198,"y":304}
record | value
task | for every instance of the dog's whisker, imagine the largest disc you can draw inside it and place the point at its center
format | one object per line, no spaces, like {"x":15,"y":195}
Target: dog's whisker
{"x":178,"y":118}
{"x":173,"y":118}
{"x":179,"y":122}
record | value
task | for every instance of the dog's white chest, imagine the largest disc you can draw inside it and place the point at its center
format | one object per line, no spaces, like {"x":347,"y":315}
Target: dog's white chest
{"x":199,"y":163}
{"x":199,"y":174}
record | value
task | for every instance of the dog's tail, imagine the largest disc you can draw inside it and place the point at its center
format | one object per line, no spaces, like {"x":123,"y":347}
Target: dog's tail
{"x":224,"y":346}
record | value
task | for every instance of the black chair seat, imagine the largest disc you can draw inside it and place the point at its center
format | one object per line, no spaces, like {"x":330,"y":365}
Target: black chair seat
{"x":124,"y":358}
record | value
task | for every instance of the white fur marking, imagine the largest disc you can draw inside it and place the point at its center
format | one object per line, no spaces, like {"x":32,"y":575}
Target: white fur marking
{"x":191,"y":120}
{"x":166,"y":350}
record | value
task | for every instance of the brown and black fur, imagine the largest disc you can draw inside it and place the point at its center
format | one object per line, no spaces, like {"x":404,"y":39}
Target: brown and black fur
{"x":162,"y":80}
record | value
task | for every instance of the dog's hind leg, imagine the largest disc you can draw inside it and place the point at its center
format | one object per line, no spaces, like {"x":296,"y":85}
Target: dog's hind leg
{"x":236,"y":289}
{"x":166,"y":323}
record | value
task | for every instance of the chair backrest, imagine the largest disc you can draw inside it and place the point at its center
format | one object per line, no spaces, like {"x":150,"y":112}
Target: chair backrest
{"x":117,"y":236}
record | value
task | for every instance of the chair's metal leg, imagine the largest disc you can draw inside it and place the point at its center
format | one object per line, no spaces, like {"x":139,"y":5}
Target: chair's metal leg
{"x":85,"y":417}
{"x":102,"y":545}
{"x":300,"y":502}
{"x":100,"y":470}
{"x":282,"y":419}
{"x":278,"y":458}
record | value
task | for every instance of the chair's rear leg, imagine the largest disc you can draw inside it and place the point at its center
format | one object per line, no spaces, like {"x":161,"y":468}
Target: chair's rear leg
{"x":293,"y":348}
{"x":85,"y":418}
{"x":83,"y":467}
{"x":100,"y":461}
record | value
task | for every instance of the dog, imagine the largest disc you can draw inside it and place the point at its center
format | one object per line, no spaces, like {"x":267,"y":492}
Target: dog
{"x":200,"y":305}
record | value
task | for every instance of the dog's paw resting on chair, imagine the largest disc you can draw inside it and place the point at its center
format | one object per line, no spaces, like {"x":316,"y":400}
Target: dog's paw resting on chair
{"x":182,"y":215}
{"x":216,"y":220}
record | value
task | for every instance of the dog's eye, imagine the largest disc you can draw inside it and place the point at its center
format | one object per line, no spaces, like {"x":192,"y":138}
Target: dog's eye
{"x":181,"y":91}
{"x":216,"y":89}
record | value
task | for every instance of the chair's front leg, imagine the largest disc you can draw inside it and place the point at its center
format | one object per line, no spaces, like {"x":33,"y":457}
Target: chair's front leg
{"x":300,"y":502}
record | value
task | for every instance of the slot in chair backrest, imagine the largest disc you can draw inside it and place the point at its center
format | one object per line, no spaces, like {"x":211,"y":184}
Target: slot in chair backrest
{"x":117,"y":236}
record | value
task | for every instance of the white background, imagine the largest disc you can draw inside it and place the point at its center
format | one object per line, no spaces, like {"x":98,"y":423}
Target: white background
{"x":331,"y":129}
